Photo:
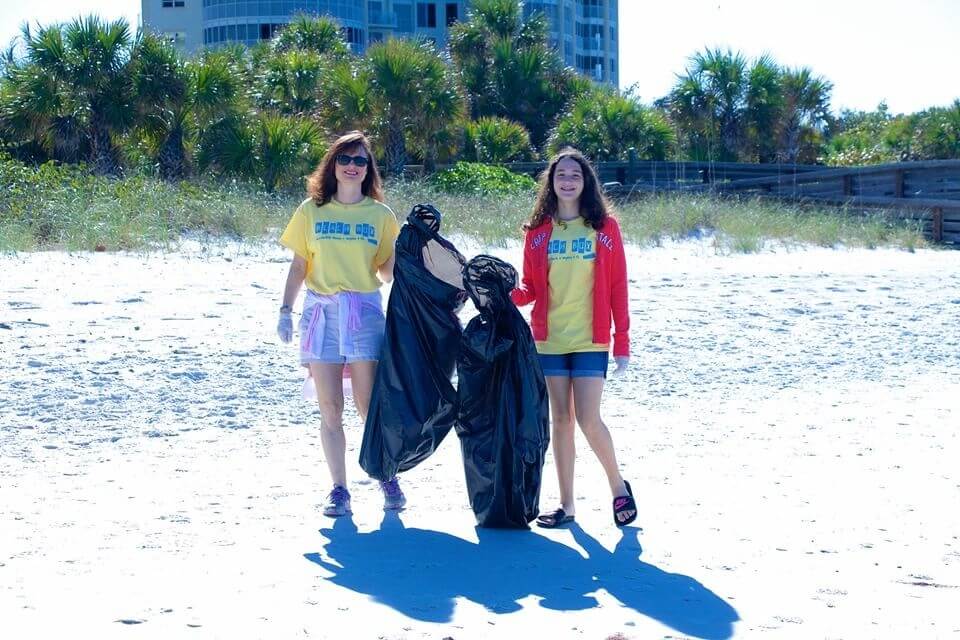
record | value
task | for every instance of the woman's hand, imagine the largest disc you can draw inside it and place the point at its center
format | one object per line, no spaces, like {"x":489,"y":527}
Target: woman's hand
{"x":295,"y":276}
{"x":622,"y":363}
{"x":285,"y":325}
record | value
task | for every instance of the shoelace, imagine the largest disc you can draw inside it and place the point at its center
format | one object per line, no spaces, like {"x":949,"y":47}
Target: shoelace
{"x":392,"y":488}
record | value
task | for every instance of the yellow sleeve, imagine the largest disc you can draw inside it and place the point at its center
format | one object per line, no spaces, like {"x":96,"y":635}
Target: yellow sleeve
{"x":389,"y":230}
{"x":295,"y":235}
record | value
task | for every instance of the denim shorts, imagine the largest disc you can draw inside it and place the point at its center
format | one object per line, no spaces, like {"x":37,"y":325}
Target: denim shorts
{"x":582,"y":364}
{"x":329,"y":334}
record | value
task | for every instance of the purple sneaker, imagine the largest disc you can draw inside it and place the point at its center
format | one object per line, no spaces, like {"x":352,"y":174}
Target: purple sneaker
{"x":393,"y":498}
{"x":338,"y":502}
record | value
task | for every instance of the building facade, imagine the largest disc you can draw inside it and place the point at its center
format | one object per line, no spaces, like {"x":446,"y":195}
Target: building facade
{"x":583,"y":31}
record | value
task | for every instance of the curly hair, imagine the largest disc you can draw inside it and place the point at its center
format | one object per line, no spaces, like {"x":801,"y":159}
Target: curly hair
{"x":322,"y":183}
{"x":594,"y":206}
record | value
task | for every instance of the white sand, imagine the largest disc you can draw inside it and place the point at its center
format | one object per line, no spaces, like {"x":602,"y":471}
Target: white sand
{"x":790,"y":427}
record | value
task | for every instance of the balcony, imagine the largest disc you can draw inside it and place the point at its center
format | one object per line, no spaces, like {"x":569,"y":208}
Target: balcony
{"x":383,"y":20}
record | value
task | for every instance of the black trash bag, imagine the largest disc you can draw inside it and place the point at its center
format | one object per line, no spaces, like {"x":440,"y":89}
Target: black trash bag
{"x":503,"y":422}
{"x":413,"y":402}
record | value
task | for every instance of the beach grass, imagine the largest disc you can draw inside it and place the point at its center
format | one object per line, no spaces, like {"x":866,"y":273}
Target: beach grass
{"x":57,"y":207}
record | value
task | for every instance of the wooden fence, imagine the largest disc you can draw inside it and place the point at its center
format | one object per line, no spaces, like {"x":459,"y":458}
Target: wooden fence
{"x":928,"y":191}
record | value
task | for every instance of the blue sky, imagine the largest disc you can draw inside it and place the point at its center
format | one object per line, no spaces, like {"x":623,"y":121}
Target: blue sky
{"x":902,"y":51}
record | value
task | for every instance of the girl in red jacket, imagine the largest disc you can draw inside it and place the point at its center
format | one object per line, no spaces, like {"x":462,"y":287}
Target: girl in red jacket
{"x":575,"y":274}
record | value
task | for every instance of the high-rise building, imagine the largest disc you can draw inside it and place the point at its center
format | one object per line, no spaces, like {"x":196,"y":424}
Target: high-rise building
{"x":585,"y":34}
{"x":583,"y":31}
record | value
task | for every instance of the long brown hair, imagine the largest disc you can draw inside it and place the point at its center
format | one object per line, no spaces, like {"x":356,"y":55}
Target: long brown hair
{"x":594,"y":206}
{"x":322,"y":183}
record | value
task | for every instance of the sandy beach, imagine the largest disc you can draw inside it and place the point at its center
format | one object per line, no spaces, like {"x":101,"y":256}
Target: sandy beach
{"x":790,"y":425}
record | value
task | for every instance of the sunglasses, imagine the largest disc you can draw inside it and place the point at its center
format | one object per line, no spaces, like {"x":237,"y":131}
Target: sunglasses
{"x":360,"y":161}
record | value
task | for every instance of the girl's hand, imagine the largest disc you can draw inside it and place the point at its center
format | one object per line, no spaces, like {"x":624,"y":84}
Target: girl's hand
{"x":622,"y":363}
{"x":285,"y":326}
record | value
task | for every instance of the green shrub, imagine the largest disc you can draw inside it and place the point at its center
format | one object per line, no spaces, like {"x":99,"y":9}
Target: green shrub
{"x":496,"y":140}
{"x":481,"y":179}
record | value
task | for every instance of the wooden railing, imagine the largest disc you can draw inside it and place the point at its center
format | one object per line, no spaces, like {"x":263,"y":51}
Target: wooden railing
{"x":928,"y":191}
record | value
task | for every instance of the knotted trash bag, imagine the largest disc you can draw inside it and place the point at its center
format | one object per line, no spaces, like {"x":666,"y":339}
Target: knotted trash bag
{"x":503,"y":422}
{"x":413,"y":404}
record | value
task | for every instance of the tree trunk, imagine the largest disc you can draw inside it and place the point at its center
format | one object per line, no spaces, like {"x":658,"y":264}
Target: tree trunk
{"x":104,"y":158}
{"x":172,"y":159}
{"x":396,"y":148}
{"x":791,"y":140}
{"x":430,"y":157}
{"x":729,"y":133}
{"x":67,"y":141}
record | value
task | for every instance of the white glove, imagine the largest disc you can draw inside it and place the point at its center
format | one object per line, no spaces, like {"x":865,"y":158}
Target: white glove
{"x":285,"y":326}
{"x":622,"y":363}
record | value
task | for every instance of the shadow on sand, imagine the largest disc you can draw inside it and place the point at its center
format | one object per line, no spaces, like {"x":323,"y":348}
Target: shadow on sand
{"x":419,"y":573}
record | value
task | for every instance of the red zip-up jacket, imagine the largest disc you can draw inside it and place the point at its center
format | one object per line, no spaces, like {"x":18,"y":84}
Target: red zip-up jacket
{"x":609,"y":285}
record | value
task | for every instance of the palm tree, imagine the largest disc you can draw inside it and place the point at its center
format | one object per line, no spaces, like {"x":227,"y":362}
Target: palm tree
{"x":317,"y":34}
{"x":508,"y":68}
{"x":161,"y":84}
{"x":492,"y":139}
{"x":729,"y":109}
{"x":349,"y":98}
{"x":81,"y":73}
{"x":442,"y":108}
{"x":290,"y":82}
{"x":290,"y":71}
{"x":468,"y":41}
{"x":269,"y":148}
{"x":177,"y":101}
{"x":763,"y":110}
{"x":8,"y":58}
{"x":709,"y":102}
{"x":403,"y":74}
{"x":691,"y":111}
{"x":806,"y":109}
{"x":605,"y":125}
{"x":33,"y":120}
{"x":217,"y":94}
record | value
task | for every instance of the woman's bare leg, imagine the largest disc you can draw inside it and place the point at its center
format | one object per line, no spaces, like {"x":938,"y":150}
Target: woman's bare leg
{"x":587,"y":393}
{"x":562,"y":438}
{"x":328,"y":379}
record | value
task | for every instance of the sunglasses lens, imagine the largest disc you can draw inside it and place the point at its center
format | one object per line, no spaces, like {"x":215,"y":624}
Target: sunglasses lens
{"x":343,"y":160}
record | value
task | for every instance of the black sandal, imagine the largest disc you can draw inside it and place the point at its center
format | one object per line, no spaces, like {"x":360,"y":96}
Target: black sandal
{"x":623,"y":504}
{"x":554,"y":519}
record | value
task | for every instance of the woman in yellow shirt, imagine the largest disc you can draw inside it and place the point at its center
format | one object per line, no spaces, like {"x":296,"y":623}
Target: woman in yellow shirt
{"x":342,"y":238}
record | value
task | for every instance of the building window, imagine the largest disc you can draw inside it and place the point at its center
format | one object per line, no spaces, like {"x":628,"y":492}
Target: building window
{"x":172,"y":3}
{"x":376,"y":36}
{"x":264,"y":32}
{"x":427,"y":15}
{"x":404,"y":18}
{"x":452,"y":13}
{"x":353,"y":35}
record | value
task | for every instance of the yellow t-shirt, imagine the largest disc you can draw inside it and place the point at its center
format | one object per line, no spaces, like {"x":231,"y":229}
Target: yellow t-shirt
{"x":571,"y":254}
{"x":343,"y":244}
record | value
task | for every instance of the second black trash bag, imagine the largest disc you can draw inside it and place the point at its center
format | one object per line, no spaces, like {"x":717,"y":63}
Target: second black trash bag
{"x":413,"y":403}
{"x":503,"y":419}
